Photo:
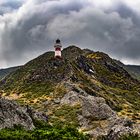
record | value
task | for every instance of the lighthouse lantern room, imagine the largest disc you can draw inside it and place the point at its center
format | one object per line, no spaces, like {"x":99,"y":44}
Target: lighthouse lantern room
{"x":58,"y":47}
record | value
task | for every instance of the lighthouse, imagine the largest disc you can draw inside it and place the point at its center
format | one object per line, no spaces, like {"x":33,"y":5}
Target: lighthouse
{"x":58,"y":47}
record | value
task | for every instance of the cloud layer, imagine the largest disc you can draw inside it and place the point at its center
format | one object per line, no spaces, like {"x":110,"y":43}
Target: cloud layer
{"x":29,"y":28}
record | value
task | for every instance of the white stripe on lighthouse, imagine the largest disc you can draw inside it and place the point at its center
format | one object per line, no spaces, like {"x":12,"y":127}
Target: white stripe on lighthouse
{"x":58,"y":53}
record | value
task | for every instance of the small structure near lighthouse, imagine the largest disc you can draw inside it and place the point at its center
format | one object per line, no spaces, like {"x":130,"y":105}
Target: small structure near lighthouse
{"x":58,"y":47}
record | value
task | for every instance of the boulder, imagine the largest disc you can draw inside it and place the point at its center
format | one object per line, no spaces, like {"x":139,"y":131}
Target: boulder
{"x":12,"y":114}
{"x":57,"y":101}
{"x":96,"y":108}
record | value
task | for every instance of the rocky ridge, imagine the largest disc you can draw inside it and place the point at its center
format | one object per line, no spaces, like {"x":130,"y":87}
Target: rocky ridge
{"x":95,"y":109}
{"x":85,"y":88}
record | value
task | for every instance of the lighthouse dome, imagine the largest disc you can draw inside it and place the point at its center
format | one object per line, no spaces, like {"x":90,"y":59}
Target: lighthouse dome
{"x":58,"y":41}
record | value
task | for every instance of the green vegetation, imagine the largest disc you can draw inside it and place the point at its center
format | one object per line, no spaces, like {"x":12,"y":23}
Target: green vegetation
{"x":37,"y":89}
{"x":65,"y":115}
{"x":130,"y":136}
{"x":43,"y":131}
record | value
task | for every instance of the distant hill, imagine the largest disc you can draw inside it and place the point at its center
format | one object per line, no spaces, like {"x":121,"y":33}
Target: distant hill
{"x":5,"y":72}
{"x":133,"y":70}
{"x":83,"y":88}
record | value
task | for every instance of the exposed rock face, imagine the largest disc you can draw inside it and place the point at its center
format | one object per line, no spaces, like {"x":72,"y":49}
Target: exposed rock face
{"x":119,"y":127}
{"x":82,"y":64}
{"x":117,"y":131}
{"x":92,"y":107}
{"x":71,"y":98}
{"x":96,"y":108}
{"x":12,"y":114}
{"x":35,"y":115}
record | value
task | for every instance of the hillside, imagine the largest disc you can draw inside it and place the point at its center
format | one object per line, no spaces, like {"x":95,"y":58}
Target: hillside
{"x":133,"y":70}
{"x":85,"y":88}
{"x":5,"y":72}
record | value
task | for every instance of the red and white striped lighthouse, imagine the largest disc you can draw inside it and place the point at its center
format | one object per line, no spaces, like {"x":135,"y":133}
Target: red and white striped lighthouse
{"x":58,"y":47}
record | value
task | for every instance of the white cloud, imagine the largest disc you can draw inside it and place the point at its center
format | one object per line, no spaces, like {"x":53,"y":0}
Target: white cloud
{"x":134,"y":4}
{"x":102,"y":3}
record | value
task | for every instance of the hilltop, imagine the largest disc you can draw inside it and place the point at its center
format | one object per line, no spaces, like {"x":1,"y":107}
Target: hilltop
{"x":86,"y":88}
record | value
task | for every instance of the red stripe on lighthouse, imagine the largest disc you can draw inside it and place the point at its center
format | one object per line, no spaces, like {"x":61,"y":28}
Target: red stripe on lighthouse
{"x":57,"y":49}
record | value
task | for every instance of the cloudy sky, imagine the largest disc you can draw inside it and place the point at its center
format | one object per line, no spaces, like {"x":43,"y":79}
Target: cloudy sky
{"x":28,"y":28}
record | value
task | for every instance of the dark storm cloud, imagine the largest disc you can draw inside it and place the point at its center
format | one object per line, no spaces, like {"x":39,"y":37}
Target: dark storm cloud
{"x":129,"y":50}
{"x":25,"y":31}
{"x":32,"y":26}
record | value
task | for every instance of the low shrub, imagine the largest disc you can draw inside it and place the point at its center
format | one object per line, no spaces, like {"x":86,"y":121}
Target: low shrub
{"x":43,"y":131}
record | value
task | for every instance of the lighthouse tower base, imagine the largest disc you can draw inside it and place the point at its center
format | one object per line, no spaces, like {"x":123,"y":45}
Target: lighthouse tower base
{"x":58,"y":47}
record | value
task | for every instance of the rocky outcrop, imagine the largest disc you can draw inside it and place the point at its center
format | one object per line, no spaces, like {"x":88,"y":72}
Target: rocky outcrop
{"x":71,"y":98}
{"x":94,"y":109}
{"x":119,"y":127}
{"x":82,"y":64}
{"x":12,"y":114}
